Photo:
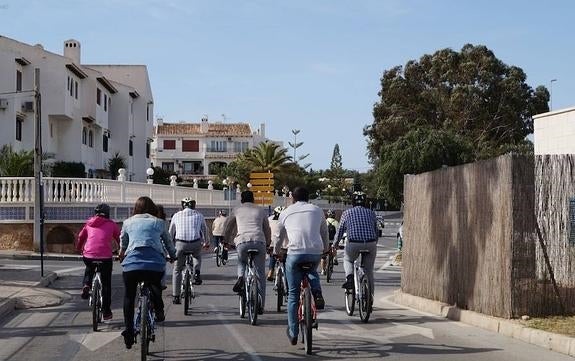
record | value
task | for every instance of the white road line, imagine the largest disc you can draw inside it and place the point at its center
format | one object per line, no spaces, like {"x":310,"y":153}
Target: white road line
{"x":70,"y":270}
{"x":236,"y":335}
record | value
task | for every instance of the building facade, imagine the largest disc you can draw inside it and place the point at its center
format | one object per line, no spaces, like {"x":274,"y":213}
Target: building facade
{"x":198,"y":150}
{"x":88,"y":112}
{"x":554,"y":132}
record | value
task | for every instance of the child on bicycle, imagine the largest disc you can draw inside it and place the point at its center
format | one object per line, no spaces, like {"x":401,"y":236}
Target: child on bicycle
{"x":96,"y":241}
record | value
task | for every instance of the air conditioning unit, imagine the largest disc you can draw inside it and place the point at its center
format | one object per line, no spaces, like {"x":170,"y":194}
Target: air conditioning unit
{"x":3,"y":104}
{"x":28,"y":107}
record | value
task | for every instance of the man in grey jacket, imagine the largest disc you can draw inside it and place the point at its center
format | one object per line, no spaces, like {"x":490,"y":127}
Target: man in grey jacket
{"x":249,"y":228}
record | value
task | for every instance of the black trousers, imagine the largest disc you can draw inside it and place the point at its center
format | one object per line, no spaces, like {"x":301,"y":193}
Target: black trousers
{"x":131,"y":280}
{"x":106,"y":273}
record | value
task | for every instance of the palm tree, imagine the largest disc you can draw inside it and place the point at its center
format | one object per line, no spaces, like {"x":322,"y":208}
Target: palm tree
{"x":16,"y":164}
{"x":267,"y":157}
{"x":115,"y":163}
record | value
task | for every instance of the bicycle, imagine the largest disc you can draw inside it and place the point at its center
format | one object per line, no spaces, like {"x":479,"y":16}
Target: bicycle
{"x":362,"y":291}
{"x":96,"y":296}
{"x":280,"y":283}
{"x":145,"y":321}
{"x":249,"y":296}
{"x":307,"y":311}
{"x":187,"y":289}
{"x":220,"y":259}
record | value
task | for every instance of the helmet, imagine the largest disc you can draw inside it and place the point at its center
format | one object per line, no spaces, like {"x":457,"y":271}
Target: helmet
{"x":102,"y":210}
{"x":188,"y":202}
{"x":330,"y":213}
{"x":278,"y":210}
{"x":358,"y":199}
{"x":222,"y":212}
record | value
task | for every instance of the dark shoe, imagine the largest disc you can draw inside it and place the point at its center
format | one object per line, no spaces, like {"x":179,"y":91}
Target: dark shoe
{"x":197,"y":279}
{"x":85,"y":292}
{"x":270,"y":276}
{"x":319,"y":301}
{"x":128,"y":338}
{"x":160,"y":316}
{"x":225,"y":254}
{"x":260,"y":311}
{"x":107,"y":316}
{"x":176,"y":300}
{"x":239,"y":286}
{"x":335,"y":262}
{"x":292,"y":340}
{"x":348,"y":283}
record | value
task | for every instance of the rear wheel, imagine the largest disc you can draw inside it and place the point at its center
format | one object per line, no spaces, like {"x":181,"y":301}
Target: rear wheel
{"x":224,"y":256}
{"x":253,"y":303}
{"x":308,"y":321}
{"x":144,"y":329}
{"x":218,"y":256}
{"x":280,"y":289}
{"x":96,"y":289}
{"x":187,"y":292}
{"x":243,"y":304}
{"x":365,"y":301}
{"x":349,"y":302}
{"x":329,"y":268}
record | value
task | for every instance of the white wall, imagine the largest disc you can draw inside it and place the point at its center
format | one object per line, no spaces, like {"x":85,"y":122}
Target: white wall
{"x":554,"y":132}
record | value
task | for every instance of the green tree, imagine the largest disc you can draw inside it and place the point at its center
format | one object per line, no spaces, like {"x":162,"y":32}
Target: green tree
{"x":336,"y":176}
{"x":115,"y":163}
{"x":469,"y":99}
{"x":16,"y":164}
{"x":69,"y":169}
{"x":266,"y":157}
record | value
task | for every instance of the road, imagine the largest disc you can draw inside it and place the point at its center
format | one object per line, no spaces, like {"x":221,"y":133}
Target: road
{"x":214,"y":330}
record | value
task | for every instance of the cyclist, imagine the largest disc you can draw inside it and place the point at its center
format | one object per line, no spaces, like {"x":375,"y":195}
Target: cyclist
{"x":273,"y":220}
{"x":218,"y":231}
{"x":306,"y":230}
{"x":332,"y":225}
{"x":360,"y":225}
{"x":249,"y":227}
{"x":189,"y":230}
{"x":96,"y":240}
{"x":143,"y":239}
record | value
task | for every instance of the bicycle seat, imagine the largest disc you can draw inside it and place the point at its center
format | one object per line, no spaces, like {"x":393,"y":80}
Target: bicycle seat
{"x":306,"y":266}
{"x":253,"y":251}
{"x":364,"y":251}
{"x":187,"y":253}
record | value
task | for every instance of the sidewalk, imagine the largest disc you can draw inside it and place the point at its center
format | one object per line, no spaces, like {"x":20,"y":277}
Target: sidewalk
{"x":551,"y":341}
{"x":17,"y":291}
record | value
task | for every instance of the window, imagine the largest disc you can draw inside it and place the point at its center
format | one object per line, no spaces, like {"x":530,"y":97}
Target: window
{"x":105,"y":143}
{"x":84,"y":136}
{"x":168,"y":166}
{"x":131,"y":148}
{"x":71,"y":87}
{"x":76,"y":95}
{"x":68,"y":84}
{"x":148,"y":112}
{"x":105,"y":102}
{"x":147,"y":150}
{"x":90,"y":139}
{"x":240,"y":147}
{"x":18,"y":81}
{"x":19,"y":123}
{"x":192,"y":167}
{"x":169,"y":144}
{"x":218,"y":146}
{"x":51,"y":130}
{"x":98,"y":96}
{"x":190,"y":145}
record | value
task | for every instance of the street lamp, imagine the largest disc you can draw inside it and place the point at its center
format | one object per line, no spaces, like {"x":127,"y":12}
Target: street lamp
{"x":551,"y":94}
{"x":150,"y":173}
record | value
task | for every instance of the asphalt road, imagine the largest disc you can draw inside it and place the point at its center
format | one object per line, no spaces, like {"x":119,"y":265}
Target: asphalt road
{"x":214,"y":330}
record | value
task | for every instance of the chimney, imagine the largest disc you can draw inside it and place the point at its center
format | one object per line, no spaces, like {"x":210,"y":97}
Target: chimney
{"x":72,"y":50}
{"x":262,"y":130}
{"x":204,"y":125}
{"x":160,"y":121}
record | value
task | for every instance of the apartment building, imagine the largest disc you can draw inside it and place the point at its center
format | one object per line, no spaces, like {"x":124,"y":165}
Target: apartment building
{"x":89,"y":112}
{"x":197,"y":150}
{"x":554,"y":132}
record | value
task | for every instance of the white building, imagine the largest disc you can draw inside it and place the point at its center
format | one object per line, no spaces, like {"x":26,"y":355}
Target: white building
{"x":197,"y":150}
{"x":89,"y":112}
{"x":554,"y":132}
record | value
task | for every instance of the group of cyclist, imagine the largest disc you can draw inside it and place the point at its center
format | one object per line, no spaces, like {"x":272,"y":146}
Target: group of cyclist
{"x":300,"y":233}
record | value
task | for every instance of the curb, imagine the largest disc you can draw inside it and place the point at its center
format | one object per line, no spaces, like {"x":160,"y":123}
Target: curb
{"x":36,"y":257}
{"x":551,"y":341}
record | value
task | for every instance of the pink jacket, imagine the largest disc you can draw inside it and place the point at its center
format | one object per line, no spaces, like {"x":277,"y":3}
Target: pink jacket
{"x":96,"y":238}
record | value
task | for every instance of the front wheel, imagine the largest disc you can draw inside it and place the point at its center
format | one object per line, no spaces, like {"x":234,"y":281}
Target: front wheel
{"x":242,"y":304}
{"x":329,"y":268}
{"x":349,"y":302}
{"x":144,"y":329}
{"x":187,"y":292}
{"x":366,"y":299}
{"x":308,"y":321}
{"x":280,"y":290}
{"x":218,"y":256}
{"x":96,"y":305}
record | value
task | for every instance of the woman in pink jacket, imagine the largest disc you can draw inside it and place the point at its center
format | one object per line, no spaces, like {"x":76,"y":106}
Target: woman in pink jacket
{"x":96,"y":242}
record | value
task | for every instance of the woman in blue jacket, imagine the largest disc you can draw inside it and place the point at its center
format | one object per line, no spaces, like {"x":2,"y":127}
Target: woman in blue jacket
{"x":142,"y":242}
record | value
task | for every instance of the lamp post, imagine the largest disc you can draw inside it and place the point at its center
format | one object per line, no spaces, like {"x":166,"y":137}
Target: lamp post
{"x":551,"y":94}
{"x":150,"y":173}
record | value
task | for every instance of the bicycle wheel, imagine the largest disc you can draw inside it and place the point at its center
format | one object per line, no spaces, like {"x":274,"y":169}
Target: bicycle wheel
{"x":308,"y":321}
{"x":329,"y":268}
{"x":144,"y":325}
{"x":280,"y":289}
{"x":242,"y":304}
{"x":365,"y":300}
{"x":349,"y":302}
{"x":224,"y":259}
{"x":187,"y":292}
{"x":253,"y":301}
{"x":96,"y":290}
{"x":218,"y":256}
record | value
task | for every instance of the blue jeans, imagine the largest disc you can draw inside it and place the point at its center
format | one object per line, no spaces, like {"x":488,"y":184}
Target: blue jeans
{"x":294,"y":276}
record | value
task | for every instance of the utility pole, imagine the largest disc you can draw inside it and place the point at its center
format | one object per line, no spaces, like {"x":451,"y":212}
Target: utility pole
{"x":38,"y":187}
{"x":551,"y":94}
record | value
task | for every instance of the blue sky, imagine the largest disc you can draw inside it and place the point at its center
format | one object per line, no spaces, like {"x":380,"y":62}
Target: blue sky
{"x":312,"y":65}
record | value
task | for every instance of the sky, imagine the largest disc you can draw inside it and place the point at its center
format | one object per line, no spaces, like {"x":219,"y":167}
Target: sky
{"x":310,"y":65}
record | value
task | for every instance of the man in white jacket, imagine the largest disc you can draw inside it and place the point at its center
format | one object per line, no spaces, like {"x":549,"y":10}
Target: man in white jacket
{"x":306,"y":229}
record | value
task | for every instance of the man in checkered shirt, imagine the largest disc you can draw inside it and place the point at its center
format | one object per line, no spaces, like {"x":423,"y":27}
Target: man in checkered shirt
{"x":189,"y":231}
{"x":360,"y":225}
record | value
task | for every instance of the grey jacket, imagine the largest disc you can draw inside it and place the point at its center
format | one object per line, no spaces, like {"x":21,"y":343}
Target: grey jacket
{"x":247,"y":222}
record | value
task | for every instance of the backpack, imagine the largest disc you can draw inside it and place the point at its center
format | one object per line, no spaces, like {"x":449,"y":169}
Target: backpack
{"x":331,"y":231}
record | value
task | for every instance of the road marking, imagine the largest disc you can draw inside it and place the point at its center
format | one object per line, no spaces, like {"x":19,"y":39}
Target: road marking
{"x":17,"y":267}
{"x":70,"y":270}
{"x":95,"y":340}
{"x":236,"y":335}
